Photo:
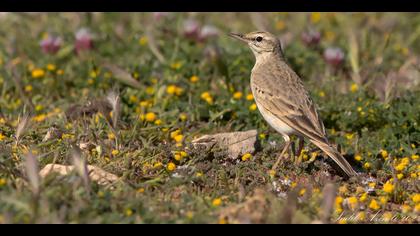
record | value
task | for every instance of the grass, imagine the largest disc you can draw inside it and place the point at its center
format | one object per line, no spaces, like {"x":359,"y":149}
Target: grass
{"x":133,"y":101}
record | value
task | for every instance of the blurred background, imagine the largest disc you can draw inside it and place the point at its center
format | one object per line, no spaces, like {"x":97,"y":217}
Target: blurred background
{"x":131,"y":90}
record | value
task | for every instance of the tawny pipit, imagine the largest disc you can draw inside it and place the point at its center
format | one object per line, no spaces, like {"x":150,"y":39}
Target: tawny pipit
{"x":282,"y":99}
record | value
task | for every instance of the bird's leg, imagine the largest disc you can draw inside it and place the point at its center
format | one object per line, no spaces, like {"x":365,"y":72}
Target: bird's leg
{"x":300,"y":146}
{"x":286,"y":147}
{"x":298,"y":153}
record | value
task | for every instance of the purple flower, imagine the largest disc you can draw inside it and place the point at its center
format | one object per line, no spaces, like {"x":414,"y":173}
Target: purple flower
{"x":159,"y":15}
{"x":51,"y":44}
{"x":208,"y":31}
{"x":334,"y":56}
{"x":191,"y":28}
{"x":311,"y":37}
{"x":84,"y":40}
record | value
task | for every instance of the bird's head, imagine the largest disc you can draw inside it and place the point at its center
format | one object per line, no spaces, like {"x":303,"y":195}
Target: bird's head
{"x":260,"y":42}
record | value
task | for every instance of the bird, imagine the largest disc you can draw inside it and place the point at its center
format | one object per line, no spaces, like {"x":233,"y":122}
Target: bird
{"x":282,"y":99}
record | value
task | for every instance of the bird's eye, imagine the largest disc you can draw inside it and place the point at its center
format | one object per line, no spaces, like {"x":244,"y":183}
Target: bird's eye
{"x":259,"y":39}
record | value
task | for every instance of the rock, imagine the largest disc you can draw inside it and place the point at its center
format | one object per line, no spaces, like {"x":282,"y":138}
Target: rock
{"x":96,"y":174}
{"x":235,"y":143}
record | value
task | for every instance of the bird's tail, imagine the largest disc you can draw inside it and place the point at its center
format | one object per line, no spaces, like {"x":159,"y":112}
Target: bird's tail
{"x":336,"y":156}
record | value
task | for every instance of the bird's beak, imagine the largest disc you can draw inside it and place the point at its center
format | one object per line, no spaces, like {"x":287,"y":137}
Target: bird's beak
{"x":239,"y":37}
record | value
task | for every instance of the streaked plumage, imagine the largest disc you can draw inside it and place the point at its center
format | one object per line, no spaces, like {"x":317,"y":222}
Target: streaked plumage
{"x":283,"y":100}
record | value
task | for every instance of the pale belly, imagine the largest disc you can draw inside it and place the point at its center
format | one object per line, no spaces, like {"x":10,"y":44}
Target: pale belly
{"x":274,"y":122}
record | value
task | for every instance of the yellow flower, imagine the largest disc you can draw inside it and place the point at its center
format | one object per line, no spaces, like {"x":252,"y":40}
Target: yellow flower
{"x":157,"y":165}
{"x":342,"y":221}
{"x":140,"y":190}
{"x":150,"y":117}
{"x":133,"y":99}
{"x":246,"y":156}
{"x":171,"y":166}
{"x":361,"y":216}
{"x":183,"y":116}
{"x":249,"y":97}
{"x":280,"y":25}
{"x":366,"y":165}
{"x":315,"y":17}
{"x":415,"y":157}
{"x":374,"y":205}
{"x":405,"y":161}
{"x":400,"y":176}
{"x":217,"y":202}
{"x":40,"y":118}
{"x":416,"y":198}
{"x":176,"y":65}
{"x":39,"y":107}
{"x":405,"y":208}
{"x":51,"y":67}
{"x":384,"y":154}
{"x":150,"y":90}
{"x":207,"y":97}
{"x":2,"y":137}
{"x":183,"y":154}
{"x":194,"y":79}
{"x":354,"y":87}
{"x":383,"y":200}
{"x":322,"y":94}
{"x":349,"y":136}
{"x":3,"y":182}
{"x":272,"y":173}
{"x":417,"y":208}
{"x":262,"y":136}
{"x":209,"y":100}
{"x":144,"y":103}
{"x":143,"y":40}
{"x":67,"y":136}
{"x":111,"y":136}
{"x":173,"y":89}
{"x":388,"y":187}
{"x":338,"y":201}
{"x":302,"y":192}
{"x":115,"y":152}
{"x":128,"y":212}
{"x":352,"y":201}
{"x":400,"y":167}
{"x":28,"y":88}
{"x":177,"y":156}
{"x":175,"y":133}
{"x":178,"y":138}
{"x":222,"y":221}
{"x":94,"y":74}
{"x":199,"y":174}
{"x":158,"y":122}
{"x":253,"y":107}
{"x":237,"y":95}
{"x":358,"y":157}
{"x":38,"y":73}
{"x":2,"y":120}
{"x":363,"y":197}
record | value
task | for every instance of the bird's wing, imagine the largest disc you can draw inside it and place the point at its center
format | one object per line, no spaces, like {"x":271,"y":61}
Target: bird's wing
{"x":281,"y":92}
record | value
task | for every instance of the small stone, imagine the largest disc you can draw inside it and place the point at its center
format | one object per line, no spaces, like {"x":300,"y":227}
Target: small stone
{"x":235,"y":143}
{"x":96,"y":174}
